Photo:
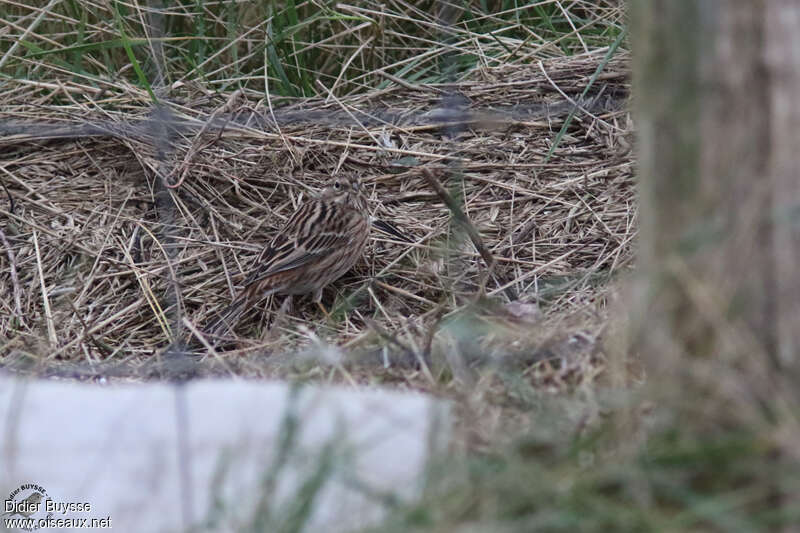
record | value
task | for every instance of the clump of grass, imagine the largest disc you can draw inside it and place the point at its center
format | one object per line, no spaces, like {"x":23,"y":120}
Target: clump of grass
{"x":284,"y":47}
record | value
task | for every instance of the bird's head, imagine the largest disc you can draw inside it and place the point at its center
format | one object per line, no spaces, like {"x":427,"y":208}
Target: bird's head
{"x":346,"y":191}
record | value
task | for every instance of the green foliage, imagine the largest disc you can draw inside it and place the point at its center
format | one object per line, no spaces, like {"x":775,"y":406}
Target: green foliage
{"x":286,"y":47}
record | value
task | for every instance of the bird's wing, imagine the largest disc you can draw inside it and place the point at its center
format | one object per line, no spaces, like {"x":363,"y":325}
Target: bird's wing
{"x":316,"y":230}
{"x":390,"y":229}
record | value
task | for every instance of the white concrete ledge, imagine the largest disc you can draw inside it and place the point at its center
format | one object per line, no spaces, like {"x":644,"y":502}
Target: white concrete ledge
{"x":215,"y":455}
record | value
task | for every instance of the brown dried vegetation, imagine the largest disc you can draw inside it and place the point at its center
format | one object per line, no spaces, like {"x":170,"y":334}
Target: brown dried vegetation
{"x":96,"y":239}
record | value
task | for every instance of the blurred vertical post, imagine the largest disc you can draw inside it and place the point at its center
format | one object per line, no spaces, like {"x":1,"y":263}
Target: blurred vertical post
{"x":719,"y":121}
{"x":717,"y":85}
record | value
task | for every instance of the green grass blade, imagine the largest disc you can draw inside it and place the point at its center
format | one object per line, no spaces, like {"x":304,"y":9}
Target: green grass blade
{"x":611,"y":50}
{"x":126,"y":43}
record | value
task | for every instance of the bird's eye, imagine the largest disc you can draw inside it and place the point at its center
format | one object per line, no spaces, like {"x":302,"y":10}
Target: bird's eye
{"x":337,"y":185}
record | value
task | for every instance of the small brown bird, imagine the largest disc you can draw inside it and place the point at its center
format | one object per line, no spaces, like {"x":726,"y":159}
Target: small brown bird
{"x":321,"y":241}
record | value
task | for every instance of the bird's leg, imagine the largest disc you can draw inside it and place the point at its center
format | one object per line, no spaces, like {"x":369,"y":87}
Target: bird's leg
{"x":273,"y":332}
{"x":324,"y":311}
{"x":286,"y":305}
{"x":277,"y":318}
{"x":318,"y":301}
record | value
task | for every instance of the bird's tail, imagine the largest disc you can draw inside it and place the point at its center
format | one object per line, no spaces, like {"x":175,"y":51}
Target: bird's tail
{"x":227,"y":319}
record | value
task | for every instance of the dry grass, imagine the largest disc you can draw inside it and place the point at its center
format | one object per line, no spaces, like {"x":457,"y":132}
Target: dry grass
{"x":128,"y":228}
{"x":125,"y":228}
{"x":90,"y":228}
